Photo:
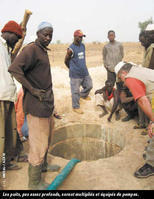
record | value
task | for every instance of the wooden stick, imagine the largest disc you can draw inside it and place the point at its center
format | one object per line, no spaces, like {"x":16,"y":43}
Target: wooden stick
{"x":23,"y":26}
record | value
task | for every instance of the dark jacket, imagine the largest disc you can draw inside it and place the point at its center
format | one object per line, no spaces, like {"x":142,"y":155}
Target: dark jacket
{"x":33,"y":64}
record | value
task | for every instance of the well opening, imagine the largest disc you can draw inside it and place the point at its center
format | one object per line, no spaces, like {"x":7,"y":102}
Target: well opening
{"x":86,"y":142}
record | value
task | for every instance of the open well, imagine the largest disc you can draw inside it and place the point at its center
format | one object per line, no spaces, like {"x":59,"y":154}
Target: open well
{"x":86,"y":142}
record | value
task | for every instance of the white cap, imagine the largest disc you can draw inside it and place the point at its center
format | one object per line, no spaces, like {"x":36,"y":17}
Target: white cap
{"x":150,"y":27}
{"x":43,"y":25}
{"x":132,"y":63}
{"x":119,"y":66}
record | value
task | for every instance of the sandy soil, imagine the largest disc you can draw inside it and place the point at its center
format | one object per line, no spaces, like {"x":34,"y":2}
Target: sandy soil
{"x":132,"y":52}
{"x":113,"y":173}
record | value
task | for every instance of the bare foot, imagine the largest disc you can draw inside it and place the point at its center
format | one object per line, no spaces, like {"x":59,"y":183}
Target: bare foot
{"x":117,"y":116}
{"x":103,"y":114}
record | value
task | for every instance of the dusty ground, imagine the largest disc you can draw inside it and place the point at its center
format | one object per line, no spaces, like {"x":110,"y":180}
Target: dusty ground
{"x":114,"y":173}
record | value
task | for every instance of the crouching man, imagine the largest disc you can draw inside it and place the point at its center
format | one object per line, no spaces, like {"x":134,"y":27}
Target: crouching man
{"x":107,"y":98}
{"x":128,"y":104}
{"x":140,"y":82}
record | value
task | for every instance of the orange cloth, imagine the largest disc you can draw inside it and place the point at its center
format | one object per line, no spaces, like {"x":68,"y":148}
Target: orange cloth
{"x":19,"y":111}
{"x":109,"y":97}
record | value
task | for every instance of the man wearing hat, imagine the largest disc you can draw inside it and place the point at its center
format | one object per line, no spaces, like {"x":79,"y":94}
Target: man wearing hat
{"x":146,"y":38}
{"x":79,"y":76}
{"x":147,"y":41}
{"x":11,"y":33}
{"x":140,"y":82}
{"x":32,"y":69}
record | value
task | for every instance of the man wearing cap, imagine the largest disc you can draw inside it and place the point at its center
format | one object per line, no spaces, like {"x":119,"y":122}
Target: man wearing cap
{"x":112,"y":55}
{"x":32,"y":69}
{"x":140,"y":82}
{"x":78,"y":72}
{"x":11,"y":33}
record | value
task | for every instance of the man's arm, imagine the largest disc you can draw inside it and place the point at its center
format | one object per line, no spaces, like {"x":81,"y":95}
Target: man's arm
{"x":68,"y":57}
{"x":104,"y":56}
{"x":151,"y":65}
{"x":115,"y":104}
{"x":124,"y":99}
{"x":20,"y":64}
{"x":122,"y":51}
{"x":138,"y":91}
{"x":145,"y":105}
{"x":100,"y":91}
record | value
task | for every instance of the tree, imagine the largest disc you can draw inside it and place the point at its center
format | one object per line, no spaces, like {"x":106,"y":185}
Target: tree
{"x":143,"y":25}
{"x":58,"y":42}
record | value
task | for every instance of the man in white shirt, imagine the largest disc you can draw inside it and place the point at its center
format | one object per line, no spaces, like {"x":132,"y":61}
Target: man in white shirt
{"x":11,"y":33}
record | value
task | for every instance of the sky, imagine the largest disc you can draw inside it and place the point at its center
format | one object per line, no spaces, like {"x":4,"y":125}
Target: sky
{"x":93,"y":17}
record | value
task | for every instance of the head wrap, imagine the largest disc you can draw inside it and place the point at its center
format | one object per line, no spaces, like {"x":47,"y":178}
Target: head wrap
{"x":13,"y":27}
{"x":150,"y":27}
{"x":43,"y":25}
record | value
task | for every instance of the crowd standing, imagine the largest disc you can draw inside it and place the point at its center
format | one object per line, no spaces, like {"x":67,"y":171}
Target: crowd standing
{"x":35,"y":107}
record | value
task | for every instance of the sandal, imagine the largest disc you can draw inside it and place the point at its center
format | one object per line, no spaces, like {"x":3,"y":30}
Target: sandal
{"x":139,"y":127}
{"x":144,"y":133}
{"x":22,"y":158}
{"x":13,"y":167}
{"x":23,"y":139}
{"x":57,"y":116}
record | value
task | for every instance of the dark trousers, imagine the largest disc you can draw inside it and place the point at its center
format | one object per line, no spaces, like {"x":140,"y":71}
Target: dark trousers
{"x":111,"y":76}
{"x":131,"y":108}
{"x":9,"y":138}
{"x":143,"y":119}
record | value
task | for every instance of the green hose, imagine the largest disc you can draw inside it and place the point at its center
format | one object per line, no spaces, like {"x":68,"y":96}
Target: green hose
{"x":63,"y":174}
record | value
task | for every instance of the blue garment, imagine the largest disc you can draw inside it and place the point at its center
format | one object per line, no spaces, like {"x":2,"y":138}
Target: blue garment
{"x":77,"y":64}
{"x":86,"y":84}
{"x":24,"y":128}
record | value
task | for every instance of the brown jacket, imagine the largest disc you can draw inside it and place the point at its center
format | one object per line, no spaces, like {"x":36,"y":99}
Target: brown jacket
{"x":33,"y":64}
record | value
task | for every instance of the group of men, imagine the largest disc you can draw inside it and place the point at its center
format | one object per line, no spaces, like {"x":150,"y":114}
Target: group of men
{"x":32,"y":69}
{"x":140,"y":82}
